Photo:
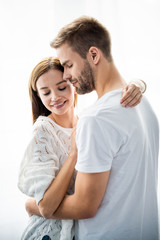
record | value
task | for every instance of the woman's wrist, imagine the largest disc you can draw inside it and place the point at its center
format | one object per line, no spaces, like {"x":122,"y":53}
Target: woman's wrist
{"x":73,"y":156}
{"x":139,"y":83}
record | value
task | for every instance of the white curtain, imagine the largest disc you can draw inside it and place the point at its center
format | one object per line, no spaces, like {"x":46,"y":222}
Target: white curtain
{"x":27,"y":27}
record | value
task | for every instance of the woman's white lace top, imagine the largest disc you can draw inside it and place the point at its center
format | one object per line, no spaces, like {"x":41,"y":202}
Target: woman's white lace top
{"x":44,"y":157}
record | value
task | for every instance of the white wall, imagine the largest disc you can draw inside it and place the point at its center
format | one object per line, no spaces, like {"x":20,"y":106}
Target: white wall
{"x":26,"y":29}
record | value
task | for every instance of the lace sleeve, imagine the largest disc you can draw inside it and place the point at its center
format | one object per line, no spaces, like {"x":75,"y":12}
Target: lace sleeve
{"x":40,"y":164}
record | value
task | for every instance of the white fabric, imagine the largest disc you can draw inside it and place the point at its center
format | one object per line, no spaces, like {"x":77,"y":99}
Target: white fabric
{"x":44,"y":157}
{"x":125,"y":140}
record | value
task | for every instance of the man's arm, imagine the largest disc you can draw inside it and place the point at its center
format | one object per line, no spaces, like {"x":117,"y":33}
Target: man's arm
{"x":84,"y":203}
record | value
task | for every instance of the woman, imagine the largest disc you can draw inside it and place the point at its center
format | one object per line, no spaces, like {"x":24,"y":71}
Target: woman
{"x":53,"y":101}
{"x":49,"y":156}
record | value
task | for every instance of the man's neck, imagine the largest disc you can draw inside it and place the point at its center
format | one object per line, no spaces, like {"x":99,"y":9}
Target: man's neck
{"x":108,"y":79}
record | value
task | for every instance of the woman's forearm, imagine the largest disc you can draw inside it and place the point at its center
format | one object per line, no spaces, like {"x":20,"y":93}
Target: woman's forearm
{"x":32,"y":208}
{"x":58,"y":188}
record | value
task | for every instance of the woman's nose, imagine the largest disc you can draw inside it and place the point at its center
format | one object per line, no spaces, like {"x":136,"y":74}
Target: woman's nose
{"x":55,"y":97}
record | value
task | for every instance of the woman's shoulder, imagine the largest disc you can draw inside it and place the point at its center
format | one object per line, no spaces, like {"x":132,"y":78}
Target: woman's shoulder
{"x":43,"y":123}
{"x":41,"y":120}
{"x":47,"y":125}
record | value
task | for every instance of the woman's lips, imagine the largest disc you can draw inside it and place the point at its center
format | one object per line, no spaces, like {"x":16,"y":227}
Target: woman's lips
{"x":59,"y":105}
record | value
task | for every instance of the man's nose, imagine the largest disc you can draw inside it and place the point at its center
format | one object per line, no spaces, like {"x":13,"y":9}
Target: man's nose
{"x":66,"y":75}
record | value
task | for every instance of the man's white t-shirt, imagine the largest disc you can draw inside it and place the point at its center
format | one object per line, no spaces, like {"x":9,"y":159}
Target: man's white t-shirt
{"x":125,"y":141}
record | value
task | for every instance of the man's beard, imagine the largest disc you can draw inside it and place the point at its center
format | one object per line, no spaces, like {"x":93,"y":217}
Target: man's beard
{"x":86,"y":80}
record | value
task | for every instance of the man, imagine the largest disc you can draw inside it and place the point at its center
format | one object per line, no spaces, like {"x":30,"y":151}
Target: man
{"x":116,"y":185}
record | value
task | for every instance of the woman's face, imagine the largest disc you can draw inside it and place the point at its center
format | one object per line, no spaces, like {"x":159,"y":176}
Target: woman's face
{"x":56,"y":94}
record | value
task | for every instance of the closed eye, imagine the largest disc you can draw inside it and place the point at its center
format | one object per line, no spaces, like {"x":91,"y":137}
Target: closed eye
{"x":69,"y":66}
{"x":61,"y":89}
{"x":45,"y":94}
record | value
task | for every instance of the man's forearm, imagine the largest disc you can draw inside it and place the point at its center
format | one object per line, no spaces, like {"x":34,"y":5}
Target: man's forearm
{"x":84,"y":203}
{"x":72,"y":208}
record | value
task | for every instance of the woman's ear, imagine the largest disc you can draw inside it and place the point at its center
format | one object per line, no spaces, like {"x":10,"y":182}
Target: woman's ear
{"x":94,"y":54}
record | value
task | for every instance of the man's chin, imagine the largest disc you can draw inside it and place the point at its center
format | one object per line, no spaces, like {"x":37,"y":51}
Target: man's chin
{"x":82,"y":91}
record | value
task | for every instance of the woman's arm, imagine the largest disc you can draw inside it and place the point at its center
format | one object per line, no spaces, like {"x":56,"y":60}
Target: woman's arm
{"x":132,"y":93}
{"x":32,"y":208}
{"x":58,"y":187}
{"x":55,"y":193}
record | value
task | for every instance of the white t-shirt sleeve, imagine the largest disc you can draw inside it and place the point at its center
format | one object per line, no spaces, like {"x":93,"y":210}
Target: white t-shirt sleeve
{"x":97,"y":144}
{"x":40,"y":164}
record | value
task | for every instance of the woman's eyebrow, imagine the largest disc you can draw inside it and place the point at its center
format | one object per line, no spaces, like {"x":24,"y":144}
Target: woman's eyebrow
{"x":43,"y":88}
{"x":56,"y":84}
{"x":61,"y":82}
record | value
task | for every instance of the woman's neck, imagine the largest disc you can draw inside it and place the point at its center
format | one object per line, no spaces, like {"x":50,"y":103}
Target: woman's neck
{"x":67,"y":120}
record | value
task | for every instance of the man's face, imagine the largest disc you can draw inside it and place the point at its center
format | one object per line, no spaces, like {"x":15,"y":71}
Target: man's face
{"x":77,"y":70}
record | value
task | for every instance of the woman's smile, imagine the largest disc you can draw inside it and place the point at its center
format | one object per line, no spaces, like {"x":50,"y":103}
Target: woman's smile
{"x":59,"y":105}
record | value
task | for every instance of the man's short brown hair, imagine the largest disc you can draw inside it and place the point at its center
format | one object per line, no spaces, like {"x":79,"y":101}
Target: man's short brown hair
{"x":83,"y":33}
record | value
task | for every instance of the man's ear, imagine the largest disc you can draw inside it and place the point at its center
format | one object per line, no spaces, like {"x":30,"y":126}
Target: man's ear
{"x":94,"y":55}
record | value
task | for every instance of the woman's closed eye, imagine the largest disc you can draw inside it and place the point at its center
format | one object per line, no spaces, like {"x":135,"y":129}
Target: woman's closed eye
{"x":61,"y":89}
{"x":47,"y":93}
